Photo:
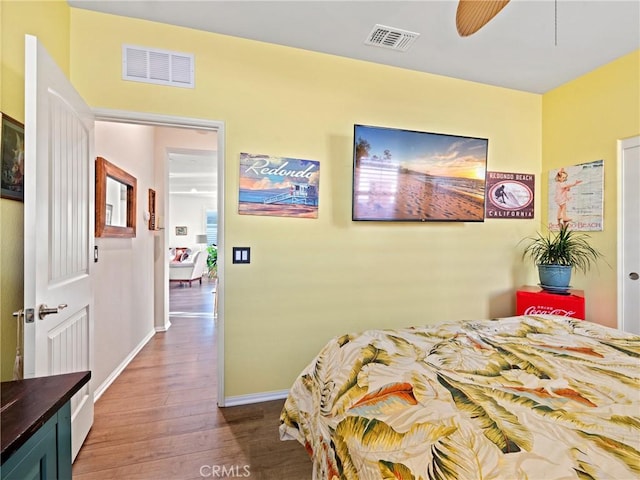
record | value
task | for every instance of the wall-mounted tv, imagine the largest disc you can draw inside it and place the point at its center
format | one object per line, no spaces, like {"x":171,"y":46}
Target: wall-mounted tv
{"x":409,"y":176}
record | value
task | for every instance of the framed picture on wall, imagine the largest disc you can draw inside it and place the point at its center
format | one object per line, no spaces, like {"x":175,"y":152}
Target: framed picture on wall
{"x":181,"y":230}
{"x":510,"y":195}
{"x":576,"y":197}
{"x":278,"y":186}
{"x":11,"y":158}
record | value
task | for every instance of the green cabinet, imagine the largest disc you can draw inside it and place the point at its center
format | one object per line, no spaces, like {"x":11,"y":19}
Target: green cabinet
{"x":35,"y":426}
{"x":46,"y":455}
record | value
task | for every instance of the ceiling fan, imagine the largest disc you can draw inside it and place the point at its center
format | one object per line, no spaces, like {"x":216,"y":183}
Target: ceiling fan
{"x":472,"y":15}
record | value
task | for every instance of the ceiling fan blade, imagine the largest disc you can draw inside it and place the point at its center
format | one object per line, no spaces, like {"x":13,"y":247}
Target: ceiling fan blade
{"x":472,"y":15}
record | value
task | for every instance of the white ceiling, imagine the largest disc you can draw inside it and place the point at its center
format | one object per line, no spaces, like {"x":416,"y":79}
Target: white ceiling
{"x":193,"y":173}
{"x":532,"y":45}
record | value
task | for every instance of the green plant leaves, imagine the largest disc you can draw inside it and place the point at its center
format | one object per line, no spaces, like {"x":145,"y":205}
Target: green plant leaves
{"x":567,"y":247}
{"x":212,"y":258}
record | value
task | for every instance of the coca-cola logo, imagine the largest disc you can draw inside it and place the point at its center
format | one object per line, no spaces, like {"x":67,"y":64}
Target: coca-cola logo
{"x":544,"y":310}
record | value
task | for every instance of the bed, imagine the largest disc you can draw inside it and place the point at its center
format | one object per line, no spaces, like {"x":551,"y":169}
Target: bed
{"x":528,"y":397}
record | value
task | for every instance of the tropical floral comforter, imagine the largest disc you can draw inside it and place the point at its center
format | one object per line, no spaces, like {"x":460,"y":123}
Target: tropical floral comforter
{"x":531,"y":397}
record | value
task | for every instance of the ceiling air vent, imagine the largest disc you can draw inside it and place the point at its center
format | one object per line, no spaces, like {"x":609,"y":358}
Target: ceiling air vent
{"x":390,"y":37}
{"x":162,"y":67}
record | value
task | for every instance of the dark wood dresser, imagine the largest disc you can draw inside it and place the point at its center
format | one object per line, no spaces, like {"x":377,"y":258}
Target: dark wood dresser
{"x":35,"y":430}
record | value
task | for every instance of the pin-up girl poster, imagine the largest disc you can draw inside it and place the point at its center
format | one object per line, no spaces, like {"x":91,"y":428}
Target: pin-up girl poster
{"x":576,"y":197}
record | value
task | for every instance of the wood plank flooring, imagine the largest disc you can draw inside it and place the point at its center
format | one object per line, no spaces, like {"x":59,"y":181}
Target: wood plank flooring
{"x":159,"y":419}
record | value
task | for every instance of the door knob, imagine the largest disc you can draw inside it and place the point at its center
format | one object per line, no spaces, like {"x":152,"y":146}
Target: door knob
{"x":634,"y":276}
{"x":44,"y":310}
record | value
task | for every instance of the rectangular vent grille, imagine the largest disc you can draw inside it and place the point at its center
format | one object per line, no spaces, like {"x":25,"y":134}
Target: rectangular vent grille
{"x":392,"y":38}
{"x":161,"y":67}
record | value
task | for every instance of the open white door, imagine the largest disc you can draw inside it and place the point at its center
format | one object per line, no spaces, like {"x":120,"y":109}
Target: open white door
{"x":629,"y":235}
{"x":58,"y":222}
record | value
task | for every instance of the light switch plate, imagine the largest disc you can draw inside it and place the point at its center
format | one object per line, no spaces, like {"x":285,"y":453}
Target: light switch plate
{"x":241,"y":255}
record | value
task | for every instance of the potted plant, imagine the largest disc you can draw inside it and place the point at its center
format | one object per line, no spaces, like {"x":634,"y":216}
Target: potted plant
{"x":557,"y":254}
{"x":212,"y":260}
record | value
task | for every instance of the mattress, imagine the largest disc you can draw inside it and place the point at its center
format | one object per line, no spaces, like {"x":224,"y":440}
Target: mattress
{"x":528,"y":397}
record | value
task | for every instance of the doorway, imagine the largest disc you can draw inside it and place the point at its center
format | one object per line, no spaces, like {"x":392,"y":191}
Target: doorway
{"x":192,"y":193}
{"x":162,"y":237}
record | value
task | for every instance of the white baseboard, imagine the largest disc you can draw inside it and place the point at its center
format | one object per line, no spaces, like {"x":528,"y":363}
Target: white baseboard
{"x":163,"y":328}
{"x":253,"y":398}
{"x":116,"y":373}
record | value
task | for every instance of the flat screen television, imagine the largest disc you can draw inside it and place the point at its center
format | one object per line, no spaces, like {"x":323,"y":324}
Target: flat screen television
{"x":410,"y":176}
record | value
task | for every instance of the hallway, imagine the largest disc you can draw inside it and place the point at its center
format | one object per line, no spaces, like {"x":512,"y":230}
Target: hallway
{"x":159,"y":419}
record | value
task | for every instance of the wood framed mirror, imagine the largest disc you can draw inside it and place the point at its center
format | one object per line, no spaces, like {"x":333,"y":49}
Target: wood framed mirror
{"x":115,"y":201}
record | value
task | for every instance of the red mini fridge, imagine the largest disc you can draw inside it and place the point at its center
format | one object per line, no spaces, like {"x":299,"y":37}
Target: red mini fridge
{"x":536,"y":301}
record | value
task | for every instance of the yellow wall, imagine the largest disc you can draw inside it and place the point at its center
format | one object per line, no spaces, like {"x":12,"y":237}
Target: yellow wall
{"x":50,"y":22}
{"x":313,"y":279}
{"x":581,"y":122}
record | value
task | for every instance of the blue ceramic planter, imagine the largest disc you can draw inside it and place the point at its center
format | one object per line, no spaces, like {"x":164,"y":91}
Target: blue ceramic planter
{"x":556,"y":276}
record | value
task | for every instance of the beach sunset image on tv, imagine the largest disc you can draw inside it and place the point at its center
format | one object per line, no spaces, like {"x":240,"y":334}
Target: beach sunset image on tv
{"x":404,"y":175}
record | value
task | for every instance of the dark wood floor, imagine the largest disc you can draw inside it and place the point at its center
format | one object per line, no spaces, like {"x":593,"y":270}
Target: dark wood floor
{"x":159,"y":419}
